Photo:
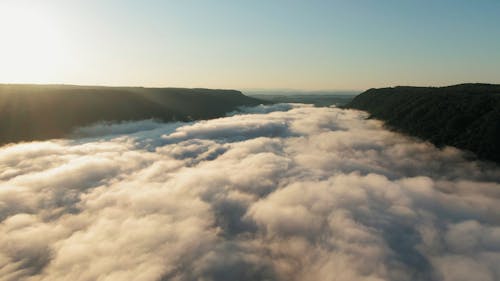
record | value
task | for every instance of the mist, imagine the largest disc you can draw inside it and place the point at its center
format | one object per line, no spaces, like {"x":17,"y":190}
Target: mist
{"x":276,"y":192}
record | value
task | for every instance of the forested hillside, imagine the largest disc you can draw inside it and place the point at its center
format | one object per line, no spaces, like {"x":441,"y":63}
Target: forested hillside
{"x":466,"y":116}
{"x":34,"y":112}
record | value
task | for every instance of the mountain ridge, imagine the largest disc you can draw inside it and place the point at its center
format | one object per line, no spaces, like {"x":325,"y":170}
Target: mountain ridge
{"x":38,"y":112}
{"x":465,"y":115}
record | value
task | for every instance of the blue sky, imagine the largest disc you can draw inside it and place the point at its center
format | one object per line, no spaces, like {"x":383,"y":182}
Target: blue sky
{"x":308,"y":45}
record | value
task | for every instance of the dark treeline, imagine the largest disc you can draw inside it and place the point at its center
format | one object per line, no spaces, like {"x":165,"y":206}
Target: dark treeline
{"x":466,"y":116}
{"x":36,"y":112}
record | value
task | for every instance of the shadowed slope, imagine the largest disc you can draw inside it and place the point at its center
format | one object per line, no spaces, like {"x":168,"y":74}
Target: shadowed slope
{"x":33,"y":112}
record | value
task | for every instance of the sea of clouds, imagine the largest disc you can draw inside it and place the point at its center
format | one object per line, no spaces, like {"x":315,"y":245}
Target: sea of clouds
{"x":281,"y":192}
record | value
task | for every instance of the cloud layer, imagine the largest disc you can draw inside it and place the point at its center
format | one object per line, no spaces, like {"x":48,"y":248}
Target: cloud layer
{"x":283,"y":192}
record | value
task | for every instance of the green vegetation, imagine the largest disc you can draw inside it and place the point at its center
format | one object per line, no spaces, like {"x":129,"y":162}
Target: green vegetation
{"x":466,"y":116}
{"x":36,"y":112}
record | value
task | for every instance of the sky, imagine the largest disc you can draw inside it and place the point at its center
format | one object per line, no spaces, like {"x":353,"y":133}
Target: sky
{"x":304,"y":45}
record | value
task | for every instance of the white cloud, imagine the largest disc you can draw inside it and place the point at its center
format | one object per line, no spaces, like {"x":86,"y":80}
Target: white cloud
{"x":284,"y":192}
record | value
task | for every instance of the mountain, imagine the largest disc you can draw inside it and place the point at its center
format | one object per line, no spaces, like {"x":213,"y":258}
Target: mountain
{"x":466,"y":116}
{"x":316,"y":98}
{"x":37,"y":112}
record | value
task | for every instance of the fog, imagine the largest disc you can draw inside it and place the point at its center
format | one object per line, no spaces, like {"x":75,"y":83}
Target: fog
{"x":281,"y":192}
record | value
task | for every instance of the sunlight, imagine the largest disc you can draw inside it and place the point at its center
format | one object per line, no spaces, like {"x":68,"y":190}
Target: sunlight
{"x":32,"y":46}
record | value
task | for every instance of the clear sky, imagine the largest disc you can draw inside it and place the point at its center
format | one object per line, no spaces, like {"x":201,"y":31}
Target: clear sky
{"x":259,"y":44}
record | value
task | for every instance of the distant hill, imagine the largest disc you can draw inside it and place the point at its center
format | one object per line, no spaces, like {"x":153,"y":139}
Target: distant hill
{"x":316,"y":99}
{"x":37,"y":112}
{"x":466,"y":116}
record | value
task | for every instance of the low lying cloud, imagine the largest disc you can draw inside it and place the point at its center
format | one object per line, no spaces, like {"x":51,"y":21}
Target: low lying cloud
{"x":283,"y":192}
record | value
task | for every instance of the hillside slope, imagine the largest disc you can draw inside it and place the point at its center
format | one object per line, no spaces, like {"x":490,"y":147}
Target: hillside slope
{"x":35,"y":112}
{"x":466,"y":116}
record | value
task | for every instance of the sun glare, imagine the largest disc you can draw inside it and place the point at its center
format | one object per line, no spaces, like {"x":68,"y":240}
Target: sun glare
{"x":31,"y":48}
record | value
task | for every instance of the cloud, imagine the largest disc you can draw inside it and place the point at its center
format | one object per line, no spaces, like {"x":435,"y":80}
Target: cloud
{"x":283,"y":192}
